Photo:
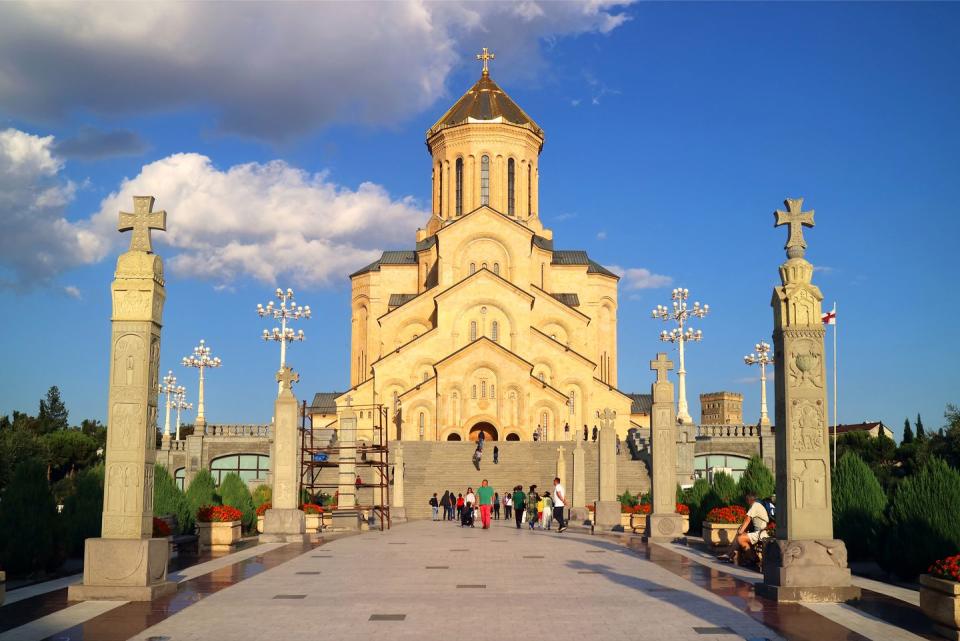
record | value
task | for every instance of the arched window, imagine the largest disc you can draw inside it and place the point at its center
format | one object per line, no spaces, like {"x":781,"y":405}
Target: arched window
{"x":496,"y":268}
{"x":459,"y":176}
{"x":473,"y":391}
{"x":545,"y":420}
{"x":483,"y":389}
{"x":485,"y":180}
{"x":573,"y":401}
{"x":248,"y":466}
{"x":440,"y":184}
{"x":473,"y":330}
{"x":484,"y":265}
{"x":510,"y":191}
{"x":473,"y":268}
{"x":495,"y":331}
{"x":180,"y":477}
{"x":529,"y":190}
{"x":493,"y":391}
{"x":423,"y":422}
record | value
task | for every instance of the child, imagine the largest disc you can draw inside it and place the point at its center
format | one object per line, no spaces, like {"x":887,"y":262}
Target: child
{"x":547,"y":511}
{"x":540,"y":511}
{"x":466,"y":515}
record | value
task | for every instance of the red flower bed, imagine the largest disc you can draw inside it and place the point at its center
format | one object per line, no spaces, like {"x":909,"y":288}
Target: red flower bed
{"x":311,"y":508}
{"x":218,"y":514}
{"x":731,"y":514}
{"x":683,"y":509}
{"x":160,"y":528}
{"x":947,"y":569}
{"x":642,"y":508}
{"x":262,"y":509}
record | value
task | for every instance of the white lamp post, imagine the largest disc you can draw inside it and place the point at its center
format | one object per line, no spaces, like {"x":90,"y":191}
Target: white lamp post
{"x":180,"y":403}
{"x":201,"y":360}
{"x":762,"y":358}
{"x":168,"y":387}
{"x":288,"y":310}
{"x":681,"y":334}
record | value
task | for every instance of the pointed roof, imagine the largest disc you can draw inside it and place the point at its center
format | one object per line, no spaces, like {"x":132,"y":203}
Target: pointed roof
{"x":485,"y":101}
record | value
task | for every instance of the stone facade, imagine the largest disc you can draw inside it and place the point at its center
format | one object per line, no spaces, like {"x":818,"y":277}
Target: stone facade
{"x":721,"y":408}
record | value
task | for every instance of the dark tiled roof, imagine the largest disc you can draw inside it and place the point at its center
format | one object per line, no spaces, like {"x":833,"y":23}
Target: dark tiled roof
{"x":372,"y":267}
{"x":543,"y":243}
{"x":640,"y":403}
{"x":485,"y":100}
{"x":597,"y":268}
{"x":427,"y":242}
{"x":570,"y":257}
{"x":325,"y":402}
{"x":860,"y":427}
{"x":399,"y":257}
{"x":396,"y":300}
{"x":570,"y":300}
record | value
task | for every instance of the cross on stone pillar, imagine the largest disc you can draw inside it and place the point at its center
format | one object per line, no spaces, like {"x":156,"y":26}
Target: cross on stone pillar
{"x":141,"y":221}
{"x":287,"y":377}
{"x":661,"y":365}
{"x":796,"y":219}
{"x":606,"y":417}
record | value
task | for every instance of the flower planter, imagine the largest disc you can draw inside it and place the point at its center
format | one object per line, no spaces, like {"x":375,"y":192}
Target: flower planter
{"x":260,"y":524}
{"x":625,"y":520}
{"x":686,"y":523}
{"x":219,"y":536}
{"x":313,"y":522}
{"x":940,"y":601}
{"x":719,"y":534}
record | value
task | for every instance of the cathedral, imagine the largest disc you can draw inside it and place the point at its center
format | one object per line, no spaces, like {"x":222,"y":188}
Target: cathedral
{"x":484,"y":325}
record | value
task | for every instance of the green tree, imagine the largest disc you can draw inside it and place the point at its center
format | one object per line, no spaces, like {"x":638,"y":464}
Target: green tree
{"x":53,"y":414}
{"x":724,"y":488}
{"x":946,"y":443}
{"x":694,"y":498}
{"x":858,"y":505}
{"x":879,"y":453}
{"x":17,"y":443}
{"x":82,"y":511}
{"x":169,"y":500}
{"x":68,"y":451}
{"x":922,"y":519}
{"x":202,"y":491}
{"x":757,"y":479}
{"x":907,"y":432}
{"x":921,"y":434}
{"x":95,"y":430}
{"x":262,"y":494}
{"x":29,"y":527}
{"x":234,"y":492}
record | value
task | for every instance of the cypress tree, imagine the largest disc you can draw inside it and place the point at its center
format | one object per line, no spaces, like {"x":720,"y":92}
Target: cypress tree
{"x":234,"y":492}
{"x":83,"y":510}
{"x":858,"y":504}
{"x":29,"y":525}
{"x":921,"y":434}
{"x":262,"y":494}
{"x":757,"y":479}
{"x":724,"y":488}
{"x":907,"y":432}
{"x":169,"y":499}
{"x":202,"y":491}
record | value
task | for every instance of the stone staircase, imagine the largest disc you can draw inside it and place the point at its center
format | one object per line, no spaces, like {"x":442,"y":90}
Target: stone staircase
{"x":436,"y":467}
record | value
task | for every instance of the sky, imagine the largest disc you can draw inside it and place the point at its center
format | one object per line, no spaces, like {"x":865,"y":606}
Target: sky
{"x":286,"y":143}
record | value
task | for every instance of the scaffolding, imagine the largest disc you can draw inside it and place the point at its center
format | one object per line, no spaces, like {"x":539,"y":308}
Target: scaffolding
{"x":372,"y":455}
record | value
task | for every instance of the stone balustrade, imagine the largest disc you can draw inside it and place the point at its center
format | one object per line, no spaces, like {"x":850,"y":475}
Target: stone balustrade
{"x":248,"y":431}
{"x":728,"y":431}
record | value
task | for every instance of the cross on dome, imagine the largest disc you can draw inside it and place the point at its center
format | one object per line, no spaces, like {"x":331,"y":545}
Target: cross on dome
{"x":485,"y":57}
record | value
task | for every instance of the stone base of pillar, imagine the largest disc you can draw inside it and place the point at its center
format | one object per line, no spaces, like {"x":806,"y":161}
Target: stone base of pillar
{"x":346,"y":520}
{"x":579,"y":515}
{"x":607,"y":514}
{"x":398,"y":515}
{"x":664,"y":527}
{"x":284,"y":526}
{"x":806,"y":571}
{"x":123,"y":570}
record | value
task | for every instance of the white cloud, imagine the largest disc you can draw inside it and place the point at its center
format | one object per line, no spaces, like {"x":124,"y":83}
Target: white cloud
{"x":72,"y":291}
{"x":37,"y":242}
{"x":639,"y":277}
{"x":269,"y":70}
{"x":601,"y":235}
{"x":271,"y":221}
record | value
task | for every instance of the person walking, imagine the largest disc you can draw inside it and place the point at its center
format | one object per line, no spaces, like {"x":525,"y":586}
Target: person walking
{"x":459,"y":505}
{"x":445,"y":504}
{"x":508,"y":505}
{"x":485,"y":500}
{"x":618,"y":445}
{"x":451,"y":505}
{"x":496,"y":454}
{"x":517,"y":501}
{"x":481,"y":437}
{"x":533,"y":499}
{"x":559,"y":503}
{"x":585,"y":433}
{"x":435,"y":507}
{"x":547,"y":519}
{"x":496,"y":506}
{"x":477,"y":455}
{"x":595,"y":433}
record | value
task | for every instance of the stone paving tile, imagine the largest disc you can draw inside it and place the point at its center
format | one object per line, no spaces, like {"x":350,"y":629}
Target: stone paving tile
{"x":618,"y":596}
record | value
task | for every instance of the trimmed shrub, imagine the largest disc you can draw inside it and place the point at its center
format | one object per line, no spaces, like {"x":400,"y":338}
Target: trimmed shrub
{"x":922,"y":519}
{"x":83,"y":510}
{"x":262,"y":494}
{"x":202,"y":492}
{"x":234,"y":492}
{"x":694,"y":497}
{"x":169,"y":499}
{"x":628,"y":500}
{"x":758,"y":479}
{"x":858,"y":504}
{"x":29,"y":524}
{"x":724,"y":488}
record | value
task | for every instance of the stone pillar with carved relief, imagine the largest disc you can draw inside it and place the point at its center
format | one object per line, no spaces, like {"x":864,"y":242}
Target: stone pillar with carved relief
{"x":398,"y":510}
{"x":126,"y":562}
{"x":607,"y":509}
{"x":346,"y":516}
{"x":663,"y":523}
{"x":284,"y":521}
{"x":805,"y":562}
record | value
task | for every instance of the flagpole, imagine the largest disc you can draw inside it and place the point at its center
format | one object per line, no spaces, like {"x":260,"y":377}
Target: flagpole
{"x":835,"y":324}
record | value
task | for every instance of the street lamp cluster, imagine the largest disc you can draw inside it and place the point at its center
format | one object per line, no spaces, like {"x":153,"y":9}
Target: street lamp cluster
{"x":762,"y":357}
{"x":288,"y":310}
{"x":680,"y":313}
{"x":201,"y":360}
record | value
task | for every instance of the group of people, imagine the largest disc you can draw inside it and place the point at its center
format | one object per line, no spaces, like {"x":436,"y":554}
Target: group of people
{"x":533,"y":508}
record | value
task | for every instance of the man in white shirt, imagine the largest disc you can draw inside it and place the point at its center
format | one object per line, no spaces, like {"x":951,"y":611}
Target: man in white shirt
{"x":753,"y":528}
{"x":559,"y":503}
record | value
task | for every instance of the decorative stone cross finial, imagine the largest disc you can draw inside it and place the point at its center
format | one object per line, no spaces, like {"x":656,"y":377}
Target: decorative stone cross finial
{"x":797,"y":219}
{"x":349,"y":400}
{"x":606,"y":417}
{"x":661,"y":366}
{"x":485,"y":56}
{"x":287,"y":377}
{"x":141,"y":221}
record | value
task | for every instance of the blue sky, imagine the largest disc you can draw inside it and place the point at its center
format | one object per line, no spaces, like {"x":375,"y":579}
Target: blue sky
{"x":673,"y":132}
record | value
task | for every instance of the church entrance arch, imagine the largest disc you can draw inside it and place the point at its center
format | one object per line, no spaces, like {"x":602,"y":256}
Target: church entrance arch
{"x":453,"y":436}
{"x":489,"y":432}
{"x":513,"y":436}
